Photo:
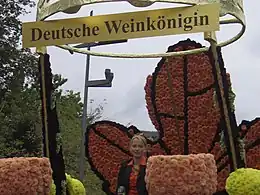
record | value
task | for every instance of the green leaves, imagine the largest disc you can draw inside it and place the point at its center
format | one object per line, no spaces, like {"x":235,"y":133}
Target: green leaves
{"x":19,"y":98}
{"x":69,"y":108}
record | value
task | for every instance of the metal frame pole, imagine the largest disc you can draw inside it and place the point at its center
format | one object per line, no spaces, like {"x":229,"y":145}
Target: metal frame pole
{"x":107,"y":82}
{"x":84,"y":117}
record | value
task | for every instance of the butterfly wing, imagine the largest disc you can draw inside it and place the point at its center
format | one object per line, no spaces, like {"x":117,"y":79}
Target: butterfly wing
{"x":107,"y":146}
{"x":196,"y":107}
{"x":191,"y":91}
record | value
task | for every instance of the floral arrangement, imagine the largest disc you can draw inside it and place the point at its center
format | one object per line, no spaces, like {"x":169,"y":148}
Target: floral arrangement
{"x":53,"y":188}
{"x":74,"y":186}
{"x":244,"y":181}
{"x":186,"y":175}
{"x":198,"y":117}
{"x":25,"y":176}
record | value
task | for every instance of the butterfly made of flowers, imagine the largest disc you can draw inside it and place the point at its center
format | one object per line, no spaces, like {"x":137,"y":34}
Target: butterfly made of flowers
{"x":186,"y":116}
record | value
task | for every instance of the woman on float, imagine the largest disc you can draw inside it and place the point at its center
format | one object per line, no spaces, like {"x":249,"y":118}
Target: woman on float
{"x":131,"y":175}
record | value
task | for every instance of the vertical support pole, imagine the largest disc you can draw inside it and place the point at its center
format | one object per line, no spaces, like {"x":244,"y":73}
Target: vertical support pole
{"x":84,"y":118}
{"x":46,"y":135}
{"x":211,"y":38}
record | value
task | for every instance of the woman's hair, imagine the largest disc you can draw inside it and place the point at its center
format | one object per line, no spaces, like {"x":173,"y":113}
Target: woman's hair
{"x":141,"y":137}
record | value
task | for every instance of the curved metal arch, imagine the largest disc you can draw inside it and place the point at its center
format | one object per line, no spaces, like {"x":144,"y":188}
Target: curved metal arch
{"x":233,"y":8}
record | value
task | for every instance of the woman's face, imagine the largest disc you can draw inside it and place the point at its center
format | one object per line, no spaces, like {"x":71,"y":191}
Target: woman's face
{"x":137,"y":148}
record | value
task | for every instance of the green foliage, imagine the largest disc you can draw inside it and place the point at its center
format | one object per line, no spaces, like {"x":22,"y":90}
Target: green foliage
{"x":20,"y":124}
{"x":70,"y":112}
{"x":19,"y":101}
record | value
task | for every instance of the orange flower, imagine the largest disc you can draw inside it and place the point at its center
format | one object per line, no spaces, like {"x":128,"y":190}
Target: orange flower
{"x":180,"y":179}
{"x":25,"y":176}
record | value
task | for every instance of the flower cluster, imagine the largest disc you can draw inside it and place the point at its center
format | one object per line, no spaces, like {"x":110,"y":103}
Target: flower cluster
{"x":191,"y":89}
{"x":252,"y":131}
{"x":149,"y":106}
{"x":156,"y":150}
{"x":250,"y":134}
{"x":181,"y":175}
{"x":106,"y":159}
{"x":75,"y":187}
{"x":53,"y":188}
{"x":192,"y":92}
{"x":244,"y":181}
{"x":25,"y":176}
{"x":253,"y":156}
{"x":222,"y":176}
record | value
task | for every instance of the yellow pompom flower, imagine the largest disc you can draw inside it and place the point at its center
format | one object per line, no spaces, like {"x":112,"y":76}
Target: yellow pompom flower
{"x":244,"y":181}
{"x":53,"y":188}
{"x":74,"y":186}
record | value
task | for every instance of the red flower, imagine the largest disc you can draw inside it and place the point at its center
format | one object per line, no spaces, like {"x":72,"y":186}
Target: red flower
{"x":192,"y":127}
{"x":251,"y":136}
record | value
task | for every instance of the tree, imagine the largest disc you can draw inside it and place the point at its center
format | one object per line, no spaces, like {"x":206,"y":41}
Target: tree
{"x":17,"y":66}
{"x":70,"y":110}
{"x":95,"y":113}
{"x":20,"y":134}
{"x":20,"y":124}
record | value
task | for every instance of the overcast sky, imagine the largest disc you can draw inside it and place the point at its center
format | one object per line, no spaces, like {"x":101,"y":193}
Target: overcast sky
{"x":125,"y":100}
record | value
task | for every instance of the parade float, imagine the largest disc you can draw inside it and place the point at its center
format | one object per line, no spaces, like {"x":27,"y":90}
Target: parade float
{"x":185,"y":110}
{"x":189,"y":99}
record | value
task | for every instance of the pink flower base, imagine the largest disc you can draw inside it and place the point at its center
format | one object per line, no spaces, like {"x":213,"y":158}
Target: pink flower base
{"x":25,"y":176}
{"x":194,"y":174}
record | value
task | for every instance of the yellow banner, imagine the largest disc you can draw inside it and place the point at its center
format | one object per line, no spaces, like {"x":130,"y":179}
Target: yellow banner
{"x":171,"y":21}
